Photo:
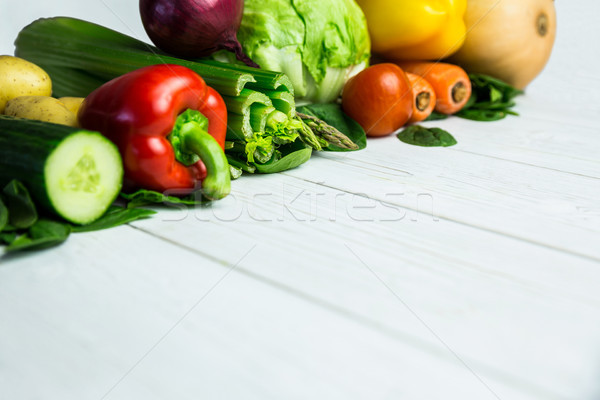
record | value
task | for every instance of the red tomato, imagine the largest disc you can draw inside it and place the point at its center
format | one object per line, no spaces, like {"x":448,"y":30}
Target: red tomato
{"x":379,"y":99}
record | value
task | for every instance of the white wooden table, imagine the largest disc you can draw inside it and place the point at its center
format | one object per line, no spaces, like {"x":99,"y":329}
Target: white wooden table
{"x":396,"y":272}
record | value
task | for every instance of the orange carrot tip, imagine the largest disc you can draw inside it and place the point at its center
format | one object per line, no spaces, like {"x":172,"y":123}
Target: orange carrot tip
{"x":450,"y":83}
{"x":424,"y":98}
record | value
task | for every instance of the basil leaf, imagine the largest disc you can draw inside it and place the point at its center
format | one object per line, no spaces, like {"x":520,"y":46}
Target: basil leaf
{"x":288,"y":157}
{"x":3,"y":215}
{"x":144,"y":197}
{"x":21,"y":210}
{"x":114,"y":216}
{"x":333,"y":115}
{"x":426,"y":137}
{"x":42,"y":234}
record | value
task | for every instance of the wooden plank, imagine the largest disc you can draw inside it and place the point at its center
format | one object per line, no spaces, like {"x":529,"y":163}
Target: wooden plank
{"x":528,"y":141}
{"x":121,"y":314}
{"x":507,"y":307}
{"x":538,"y":205}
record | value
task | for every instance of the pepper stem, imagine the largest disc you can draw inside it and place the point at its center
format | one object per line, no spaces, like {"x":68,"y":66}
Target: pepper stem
{"x":196,"y":140}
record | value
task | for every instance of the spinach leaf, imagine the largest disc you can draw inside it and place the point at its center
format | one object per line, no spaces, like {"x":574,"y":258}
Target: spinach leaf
{"x":21,"y":211}
{"x":3,"y":215}
{"x":333,"y":115}
{"x":286,"y":157}
{"x":114,"y":216}
{"x":436,"y":116}
{"x":7,"y":237}
{"x":144,"y":197}
{"x":491,"y":99}
{"x":42,"y":234}
{"x":427,"y":137}
{"x":482,"y":115}
{"x":26,"y":232}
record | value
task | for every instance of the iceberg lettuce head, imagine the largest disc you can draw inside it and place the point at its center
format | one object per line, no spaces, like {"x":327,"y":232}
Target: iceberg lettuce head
{"x":319,"y":44}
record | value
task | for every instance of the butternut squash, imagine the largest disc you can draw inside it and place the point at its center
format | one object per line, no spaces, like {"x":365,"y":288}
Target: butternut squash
{"x":511,"y":40}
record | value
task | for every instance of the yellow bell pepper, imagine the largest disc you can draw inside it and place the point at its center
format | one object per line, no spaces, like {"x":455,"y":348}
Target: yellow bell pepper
{"x":415,"y":29}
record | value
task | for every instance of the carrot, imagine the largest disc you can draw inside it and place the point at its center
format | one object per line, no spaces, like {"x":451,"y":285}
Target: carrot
{"x":450,"y":82}
{"x":423,"y":98}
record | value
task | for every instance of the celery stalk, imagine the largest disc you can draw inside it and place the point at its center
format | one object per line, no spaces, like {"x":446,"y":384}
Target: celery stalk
{"x":240,"y":104}
{"x":283,"y":101}
{"x":263,"y":79}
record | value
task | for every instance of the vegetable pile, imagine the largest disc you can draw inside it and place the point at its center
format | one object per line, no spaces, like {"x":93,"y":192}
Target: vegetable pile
{"x":263,"y":128}
{"x":232,"y":87}
{"x":174,"y":133}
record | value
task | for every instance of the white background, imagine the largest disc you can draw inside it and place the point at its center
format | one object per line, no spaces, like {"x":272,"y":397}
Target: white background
{"x":396,"y":272}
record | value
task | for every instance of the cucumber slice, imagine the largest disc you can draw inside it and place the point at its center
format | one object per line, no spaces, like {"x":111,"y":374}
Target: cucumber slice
{"x":72,"y":172}
{"x":83,"y":176}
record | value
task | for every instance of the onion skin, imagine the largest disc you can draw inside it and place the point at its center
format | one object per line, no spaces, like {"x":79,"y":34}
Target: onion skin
{"x":194,"y":28}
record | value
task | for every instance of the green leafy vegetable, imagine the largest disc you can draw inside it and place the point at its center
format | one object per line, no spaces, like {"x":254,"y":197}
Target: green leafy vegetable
{"x":22,"y":212}
{"x":436,"y":116}
{"x":491,"y":99}
{"x":145,"y":197}
{"x":3,"y":215}
{"x":42,"y":234}
{"x":7,"y":237}
{"x":427,"y":137}
{"x":318,"y":44}
{"x":22,"y":234}
{"x":288,"y":157}
{"x":113,"y":217}
{"x":333,"y":115}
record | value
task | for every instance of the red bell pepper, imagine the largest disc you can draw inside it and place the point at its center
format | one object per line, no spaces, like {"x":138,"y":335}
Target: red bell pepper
{"x":169,"y":126}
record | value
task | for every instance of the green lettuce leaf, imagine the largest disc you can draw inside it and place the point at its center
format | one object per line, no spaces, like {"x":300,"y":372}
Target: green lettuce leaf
{"x":318,"y":44}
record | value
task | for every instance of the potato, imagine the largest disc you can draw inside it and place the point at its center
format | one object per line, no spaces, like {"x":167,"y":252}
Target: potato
{"x":41,"y":108}
{"x":19,"y":77}
{"x":72,"y":103}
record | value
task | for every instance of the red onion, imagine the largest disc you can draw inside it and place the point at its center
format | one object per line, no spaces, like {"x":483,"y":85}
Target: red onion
{"x":194,"y":28}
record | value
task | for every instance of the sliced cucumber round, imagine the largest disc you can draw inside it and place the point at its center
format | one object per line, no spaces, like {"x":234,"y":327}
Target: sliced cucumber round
{"x":72,"y":172}
{"x":83,"y":176}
